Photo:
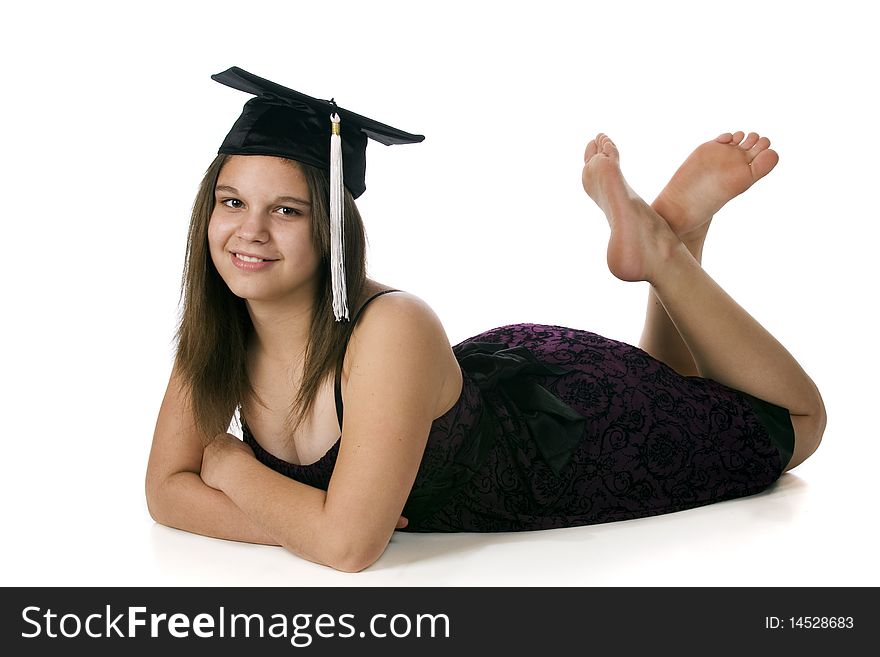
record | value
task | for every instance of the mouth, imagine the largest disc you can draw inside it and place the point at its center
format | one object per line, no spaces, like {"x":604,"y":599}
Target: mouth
{"x":247,"y":258}
{"x":249,"y":263}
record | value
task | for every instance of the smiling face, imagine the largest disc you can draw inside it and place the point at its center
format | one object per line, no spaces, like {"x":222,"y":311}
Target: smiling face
{"x":262,"y":208}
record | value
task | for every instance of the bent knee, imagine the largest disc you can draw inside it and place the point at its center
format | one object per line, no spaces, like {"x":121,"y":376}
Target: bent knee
{"x":808,"y":432}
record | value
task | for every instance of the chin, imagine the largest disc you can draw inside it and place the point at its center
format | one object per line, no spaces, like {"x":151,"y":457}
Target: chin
{"x":253,"y":293}
{"x":265,"y":292}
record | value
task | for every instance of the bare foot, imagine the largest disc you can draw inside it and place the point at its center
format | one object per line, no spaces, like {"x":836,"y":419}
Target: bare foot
{"x":640,"y":238}
{"x":714,"y":173}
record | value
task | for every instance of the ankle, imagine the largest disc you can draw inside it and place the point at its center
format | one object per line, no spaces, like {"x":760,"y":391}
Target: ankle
{"x":672,"y":259}
{"x":666,"y":207}
{"x":674,"y":214}
{"x":695,"y":246}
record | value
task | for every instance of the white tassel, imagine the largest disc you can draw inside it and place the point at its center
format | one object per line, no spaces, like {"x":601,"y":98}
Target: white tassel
{"x":337,"y":238}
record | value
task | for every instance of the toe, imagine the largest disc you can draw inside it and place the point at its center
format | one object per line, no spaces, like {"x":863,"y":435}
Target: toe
{"x":750,"y":141}
{"x":737,"y":137}
{"x":724,"y":138}
{"x":591,"y":150}
{"x":764,"y":163}
{"x":761,"y":145}
{"x":609,"y":148}
{"x":601,"y":144}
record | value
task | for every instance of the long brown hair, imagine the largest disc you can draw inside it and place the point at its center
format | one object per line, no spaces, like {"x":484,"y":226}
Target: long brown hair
{"x":215,"y":327}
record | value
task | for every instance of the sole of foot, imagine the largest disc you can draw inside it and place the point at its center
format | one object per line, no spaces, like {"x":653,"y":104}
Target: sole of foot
{"x":712,"y":175}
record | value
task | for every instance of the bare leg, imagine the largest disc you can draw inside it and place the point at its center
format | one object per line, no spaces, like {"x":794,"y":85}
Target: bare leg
{"x":714,"y":173}
{"x":727,"y":344}
{"x":660,"y":338}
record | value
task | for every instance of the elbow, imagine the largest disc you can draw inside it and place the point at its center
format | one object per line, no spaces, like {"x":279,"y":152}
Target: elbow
{"x":153,"y":508}
{"x":353,"y":558}
{"x":355,"y":564}
{"x":351,"y":546}
{"x":346,"y":568}
{"x":155,"y":511}
{"x":346,"y":562}
{"x":365,"y":555}
{"x":153,"y":493}
{"x":162,"y":492}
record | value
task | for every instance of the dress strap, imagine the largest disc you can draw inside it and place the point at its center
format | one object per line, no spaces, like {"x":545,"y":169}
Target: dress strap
{"x":344,"y":349}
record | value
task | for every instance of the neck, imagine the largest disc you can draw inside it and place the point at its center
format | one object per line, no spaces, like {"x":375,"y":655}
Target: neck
{"x":281,"y":328}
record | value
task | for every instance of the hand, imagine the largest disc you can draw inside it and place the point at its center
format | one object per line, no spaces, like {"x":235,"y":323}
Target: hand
{"x":217,"y":453}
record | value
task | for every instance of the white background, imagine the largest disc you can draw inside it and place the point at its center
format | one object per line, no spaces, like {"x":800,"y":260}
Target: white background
{"x":110,"y":119}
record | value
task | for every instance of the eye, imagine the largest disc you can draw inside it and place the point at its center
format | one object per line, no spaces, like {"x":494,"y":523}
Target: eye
{"x":293,"y":212}
{"x":230,"y":200}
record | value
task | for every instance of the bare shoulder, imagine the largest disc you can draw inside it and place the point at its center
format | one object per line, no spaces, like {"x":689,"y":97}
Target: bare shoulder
{"x":402,"y":330}
{"x":404,"y":308}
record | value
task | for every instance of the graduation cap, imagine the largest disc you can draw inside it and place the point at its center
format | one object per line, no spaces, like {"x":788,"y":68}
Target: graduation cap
{"x":286,"y":123}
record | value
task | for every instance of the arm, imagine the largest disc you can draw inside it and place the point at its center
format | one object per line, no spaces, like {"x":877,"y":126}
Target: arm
{"x":222,"y":491}
{"x":176,"y":494}
{"x":277,"y":505}
{"x":398,"y":358}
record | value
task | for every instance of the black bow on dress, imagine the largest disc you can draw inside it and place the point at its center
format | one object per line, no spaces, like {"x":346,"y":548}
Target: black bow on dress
{"x":556,"y":428}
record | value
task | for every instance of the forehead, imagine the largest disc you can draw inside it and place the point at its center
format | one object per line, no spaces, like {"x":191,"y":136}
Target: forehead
{"x":261,"y":172}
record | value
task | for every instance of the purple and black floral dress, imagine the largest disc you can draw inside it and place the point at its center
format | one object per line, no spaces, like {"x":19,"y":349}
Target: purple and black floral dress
{"x":561,"y":427}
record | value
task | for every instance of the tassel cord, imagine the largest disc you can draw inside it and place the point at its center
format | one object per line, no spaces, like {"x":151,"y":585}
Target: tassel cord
{"x":337,"y":236}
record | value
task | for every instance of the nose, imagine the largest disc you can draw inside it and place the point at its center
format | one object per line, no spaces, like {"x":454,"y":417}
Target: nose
{"x":252,"y":226}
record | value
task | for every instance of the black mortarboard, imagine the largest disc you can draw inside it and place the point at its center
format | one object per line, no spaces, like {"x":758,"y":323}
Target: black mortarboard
{"x":285,"y":123}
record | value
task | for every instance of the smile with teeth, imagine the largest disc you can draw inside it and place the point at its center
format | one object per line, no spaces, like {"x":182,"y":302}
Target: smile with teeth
{"x":250,"y":259}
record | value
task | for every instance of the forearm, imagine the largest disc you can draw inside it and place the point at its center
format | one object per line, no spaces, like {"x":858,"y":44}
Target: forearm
{"x":184,"y":501}
{"x":288,"y":509}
